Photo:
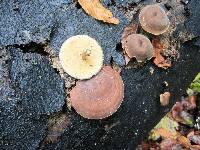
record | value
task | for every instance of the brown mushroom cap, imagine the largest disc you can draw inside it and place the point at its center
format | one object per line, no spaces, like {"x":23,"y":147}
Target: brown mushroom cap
{"x":100,"y":96}
{"x":81,"y":56}
{"x":153,"y":19}
{"x":138,"y":46}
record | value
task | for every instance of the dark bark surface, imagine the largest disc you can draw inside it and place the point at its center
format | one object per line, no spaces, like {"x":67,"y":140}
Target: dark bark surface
{"x":30,"y":89}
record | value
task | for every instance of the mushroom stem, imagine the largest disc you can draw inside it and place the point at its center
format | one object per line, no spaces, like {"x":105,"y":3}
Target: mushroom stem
{"x":85,"y":54}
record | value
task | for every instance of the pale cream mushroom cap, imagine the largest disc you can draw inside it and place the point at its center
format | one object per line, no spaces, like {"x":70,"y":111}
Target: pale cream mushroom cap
{"x":81,"y":56}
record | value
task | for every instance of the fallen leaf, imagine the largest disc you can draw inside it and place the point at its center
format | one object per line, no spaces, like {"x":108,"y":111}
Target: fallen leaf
{"x":95,"y":9}
{"x":167,"y":144}
{"x":183,"y":140}
{"x":56,"y":127}
{"x":187,"y":118}
{"x":166,"y":128}
{"x":194,"y":137}
{"x":159,"y":60}
{"x":189,"y":103}
{"x":195,"y":147}
{"x":192,"y":100}
{"x":176,"y":109}
{"x":191,"y":133}
{"x":150,"y":145}
{"x":164,"y":133}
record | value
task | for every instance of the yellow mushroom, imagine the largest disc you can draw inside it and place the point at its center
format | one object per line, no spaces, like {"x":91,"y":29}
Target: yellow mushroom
{"x":81,"y":56}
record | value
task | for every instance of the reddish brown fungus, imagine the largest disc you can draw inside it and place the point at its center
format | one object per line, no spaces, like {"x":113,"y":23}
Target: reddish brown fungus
{"x":138,"y":46}
{"x":100,"y":96}
{"x":153,"y":19}
{"x":164,"y":98}
{"x":192,"y":100}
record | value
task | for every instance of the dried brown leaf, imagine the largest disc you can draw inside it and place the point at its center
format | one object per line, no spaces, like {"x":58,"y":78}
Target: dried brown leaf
{"x":195,"y":147}
{"x":176,"y":109}
{"x":183,"y":140}
{"x":194,"y":137}
{"x":167,"y":144}
{"x":159,"y":60}
{"x":192,"y":100}
{"x":164,"y":133}
{"x":150,"y":145}
{"x":95,"y":9}
{"x":56,"y":127}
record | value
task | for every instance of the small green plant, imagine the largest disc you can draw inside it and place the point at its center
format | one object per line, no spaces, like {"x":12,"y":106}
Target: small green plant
{"x":195,"y":85}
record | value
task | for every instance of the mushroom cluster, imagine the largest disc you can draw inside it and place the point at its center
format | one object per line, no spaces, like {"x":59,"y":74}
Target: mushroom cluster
{"x":81,"y":56}
{"x":100,"y":96}
{"x":153,"y":19}
{"x":102,"y":93}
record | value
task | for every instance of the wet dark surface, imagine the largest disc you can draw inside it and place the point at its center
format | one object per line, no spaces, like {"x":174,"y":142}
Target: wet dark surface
{"x":25,"y":21}
{"x":192,"y":24}
{"x":37,"y":82}
{"x":55,"y":21}
{"x":30,"y":89}
{"x":140,"y":110}
{"x":80,"y":23}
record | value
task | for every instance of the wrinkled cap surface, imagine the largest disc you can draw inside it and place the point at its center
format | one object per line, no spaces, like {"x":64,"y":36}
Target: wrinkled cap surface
{"x":100,"y":96}
{"x":138,"y":46}
{"x":81,"y":56}
{"x":153,"y":19}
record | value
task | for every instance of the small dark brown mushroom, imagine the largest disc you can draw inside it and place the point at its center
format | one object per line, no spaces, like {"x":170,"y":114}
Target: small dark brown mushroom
{"x":153,"y":19}
{"x":138,"y":46}
{"x":100,"y":96}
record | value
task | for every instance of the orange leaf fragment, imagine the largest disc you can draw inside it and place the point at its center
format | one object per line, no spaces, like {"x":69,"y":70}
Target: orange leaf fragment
{"x":183,"y":140}
{"x":95,"y":9}
{"x":159,"y":60}
{"x":164,"y":133}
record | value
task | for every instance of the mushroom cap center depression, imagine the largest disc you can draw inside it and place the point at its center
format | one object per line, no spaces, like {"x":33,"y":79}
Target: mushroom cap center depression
{"x":138,"y":46}
{"x":153,"y":19}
